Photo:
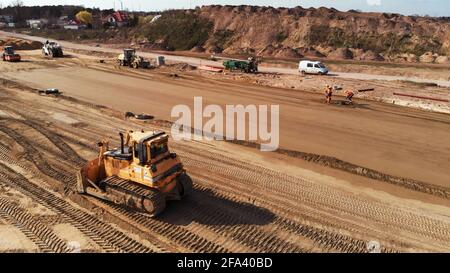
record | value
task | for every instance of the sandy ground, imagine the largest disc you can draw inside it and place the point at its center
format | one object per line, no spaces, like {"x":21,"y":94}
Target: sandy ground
{"x":244,"y":200}
{"x":441,"y":79}
{"x":390,"y":139}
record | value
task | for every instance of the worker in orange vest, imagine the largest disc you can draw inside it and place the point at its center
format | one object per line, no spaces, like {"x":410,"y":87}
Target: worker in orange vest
{"x":349,"y":96}
{"x":328,"y":94}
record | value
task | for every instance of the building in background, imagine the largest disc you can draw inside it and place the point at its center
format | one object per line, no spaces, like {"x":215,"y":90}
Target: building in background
{"x":117,"y":19}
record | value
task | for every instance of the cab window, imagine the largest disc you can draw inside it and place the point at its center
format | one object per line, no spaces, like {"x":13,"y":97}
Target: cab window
{"x":157,"y":149}
{"x":317,"y":66}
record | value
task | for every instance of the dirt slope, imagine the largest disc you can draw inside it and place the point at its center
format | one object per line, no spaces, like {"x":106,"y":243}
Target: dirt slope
{"x":298,"y":32}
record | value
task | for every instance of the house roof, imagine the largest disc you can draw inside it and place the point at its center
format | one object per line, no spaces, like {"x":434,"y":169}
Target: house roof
{"x":119,"y":16}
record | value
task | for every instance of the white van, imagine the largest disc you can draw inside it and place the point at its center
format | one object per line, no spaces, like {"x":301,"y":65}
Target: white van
{"x":310,"y":67}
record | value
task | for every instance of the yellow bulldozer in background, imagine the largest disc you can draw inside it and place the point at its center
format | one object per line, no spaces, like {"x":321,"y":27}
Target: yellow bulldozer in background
{"x":131,"y":59}
{"x":142,"y":174}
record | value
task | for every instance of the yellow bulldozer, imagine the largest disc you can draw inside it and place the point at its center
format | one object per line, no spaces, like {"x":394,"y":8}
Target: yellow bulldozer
{"x":142,"y":174}
{"x":131,"y":59}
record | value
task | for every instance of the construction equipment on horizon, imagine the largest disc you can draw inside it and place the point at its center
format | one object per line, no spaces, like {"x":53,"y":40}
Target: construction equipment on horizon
{"x":52,"y":49}
{"x":129,"y":58}
{"x":141,"y":174}
{"x":9,"y":55}
{"x":249,"y":66}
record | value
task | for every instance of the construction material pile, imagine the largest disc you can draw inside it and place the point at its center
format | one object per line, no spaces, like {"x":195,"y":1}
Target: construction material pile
{"x":19,"y":44}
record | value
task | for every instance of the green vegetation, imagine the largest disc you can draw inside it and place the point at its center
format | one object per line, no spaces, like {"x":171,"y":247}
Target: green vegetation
{"x":99,"y":35}
{"x":281,"y":36}
{"x":221,"y":38}
{"x":179,"y":30}
{"x":389,"y":43}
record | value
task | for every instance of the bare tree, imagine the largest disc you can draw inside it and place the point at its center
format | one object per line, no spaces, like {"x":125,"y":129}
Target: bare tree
{"x":17,"y":5}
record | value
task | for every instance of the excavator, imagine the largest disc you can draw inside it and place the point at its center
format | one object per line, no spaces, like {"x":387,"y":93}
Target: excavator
{"x":9,"y":55}
{"x":142,"y":174}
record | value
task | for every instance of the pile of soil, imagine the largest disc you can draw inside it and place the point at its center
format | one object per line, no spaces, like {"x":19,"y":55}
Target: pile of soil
{"x":280,"y":52}
{"x":18,"y":44}
{"x":341,"y":54}
{"x":182,"y":66}
{"x":442,"y":60}
{"x":310,"y":52}
{"x":197,"y":49}
{"x":327,"y":30}
{"x":371,"y":56}
{"x":428,"y":57}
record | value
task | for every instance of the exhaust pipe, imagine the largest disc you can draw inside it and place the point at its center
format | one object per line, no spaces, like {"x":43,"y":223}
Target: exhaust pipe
{"x":122,"y":149}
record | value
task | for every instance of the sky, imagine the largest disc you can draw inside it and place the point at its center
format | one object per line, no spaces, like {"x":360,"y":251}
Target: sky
{"x":408,"y":7}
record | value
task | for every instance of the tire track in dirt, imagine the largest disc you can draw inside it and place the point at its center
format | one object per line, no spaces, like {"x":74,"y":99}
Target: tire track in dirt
{"x":234,"y":223}
{"x":34,"y":156}
{"x":335,"y":163}
{"x":251,"y":170}
{"x":104,"y":235}
{"x":360,"y":248}
{"x":310,"y":193}
{"x":43,"y":237}
{"x":179,"y":234}
{"x":321,"y":197}
{"x":171,"y":232}
{"x":327,"y":240}
{"x":56,"y":140}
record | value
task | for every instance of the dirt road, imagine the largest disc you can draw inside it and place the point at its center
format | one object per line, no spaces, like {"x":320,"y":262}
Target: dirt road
{"x":393,"y":140}
{"x":294,"y":210}
{"x":198,"y":61}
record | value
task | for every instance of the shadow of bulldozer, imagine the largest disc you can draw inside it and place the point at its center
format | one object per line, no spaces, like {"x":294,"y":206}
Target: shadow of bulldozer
{"x":206,"y":207}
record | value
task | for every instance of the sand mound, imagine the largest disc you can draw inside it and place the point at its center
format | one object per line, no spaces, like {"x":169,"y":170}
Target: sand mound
{"x":18,"y":44}
{"x":280,"y":52}
{"x":371,"y":56}
{"x":182,"y":66}
{"x":442,"y":60}
{"x":310,"y":52}
{"x":428,"y":57}
{"x":287,"y":52}
{"x":197,"y":49}
{"x":341,"y":54}
{"x":357,"y":53}
{"x":406,"y":57}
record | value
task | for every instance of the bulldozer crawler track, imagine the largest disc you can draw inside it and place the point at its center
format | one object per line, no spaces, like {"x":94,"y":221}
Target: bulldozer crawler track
{"x":339,"y":245}
{"x":227,"y":224}
{"x":105,"y":236}
{"x":307,"y":202}
{"x":39,"y":234}
{"x":178,"y":234}
{"x":58,"y":142}
{"x":36,"y":158}
{"x":327,"y":240}
{"x":185,"y":238}
{"x":310,"y":194}
{"x":174,"y":233}
{"x":247,"y":175}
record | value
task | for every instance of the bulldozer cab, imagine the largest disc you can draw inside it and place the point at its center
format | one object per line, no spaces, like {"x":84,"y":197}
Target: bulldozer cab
{"x":149,"y":147}
{"x":129,"y":54}
{"x":9,"y":50}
